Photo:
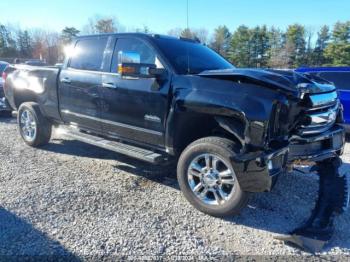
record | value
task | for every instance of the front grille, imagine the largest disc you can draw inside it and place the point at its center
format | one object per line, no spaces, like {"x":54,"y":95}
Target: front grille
{"x":322,"y":114}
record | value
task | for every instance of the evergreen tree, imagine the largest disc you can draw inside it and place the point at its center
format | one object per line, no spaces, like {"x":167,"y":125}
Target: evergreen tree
{"x":259,"y":43}
{"x":24,"y":43}
{"x":188,"y":33}
{"x":240,"y":47}
{"x":68,"y":34}
{"x":221,"y":40}
{"x":276,"y":53}
{"x":107,"y":25}
{"x":338,"y":52}
{"x":295,"y":45}
{"x":323,"y":37}
{"x":8,"y":46}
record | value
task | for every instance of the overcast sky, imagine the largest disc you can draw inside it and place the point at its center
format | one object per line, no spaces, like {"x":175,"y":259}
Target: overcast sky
{"x":162,"y":15}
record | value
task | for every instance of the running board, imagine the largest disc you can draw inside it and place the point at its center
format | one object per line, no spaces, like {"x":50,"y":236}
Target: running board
{"x":118,"y":147}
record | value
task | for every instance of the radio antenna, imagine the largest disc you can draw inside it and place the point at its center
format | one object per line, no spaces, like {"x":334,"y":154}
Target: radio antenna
{"x":188,"y":32}
{"x":188,"y":27}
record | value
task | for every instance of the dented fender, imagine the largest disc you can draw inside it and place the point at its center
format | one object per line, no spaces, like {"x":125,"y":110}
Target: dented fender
{"x":242,"y":109}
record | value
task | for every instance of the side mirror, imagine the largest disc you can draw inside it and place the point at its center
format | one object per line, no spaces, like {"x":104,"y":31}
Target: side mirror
{"x":129,"y":57}
{"x":129,"y":65}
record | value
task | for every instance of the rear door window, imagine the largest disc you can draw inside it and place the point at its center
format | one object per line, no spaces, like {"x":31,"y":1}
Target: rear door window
{"x":340,"y":79}
{"x":88,"y":54}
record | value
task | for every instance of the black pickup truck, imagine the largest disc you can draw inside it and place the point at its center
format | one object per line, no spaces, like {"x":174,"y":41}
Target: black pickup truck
{"x":162,"y":99}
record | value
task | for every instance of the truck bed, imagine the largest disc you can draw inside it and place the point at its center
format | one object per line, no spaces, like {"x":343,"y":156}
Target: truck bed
{"x":40,"y":83}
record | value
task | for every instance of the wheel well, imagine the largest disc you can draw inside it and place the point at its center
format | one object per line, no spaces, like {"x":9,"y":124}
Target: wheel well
{"x":24,"y":97}
{"x":192,"y":128}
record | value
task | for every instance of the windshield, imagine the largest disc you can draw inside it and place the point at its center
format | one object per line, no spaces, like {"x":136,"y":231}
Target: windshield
{"x":190,"y":57}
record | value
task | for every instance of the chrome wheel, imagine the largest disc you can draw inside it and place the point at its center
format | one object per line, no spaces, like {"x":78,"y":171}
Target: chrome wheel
{"x":28,"y":125}
{"x":211,"y":179}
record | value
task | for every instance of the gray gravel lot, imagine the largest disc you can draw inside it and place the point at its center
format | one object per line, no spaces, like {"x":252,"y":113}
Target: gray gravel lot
{"x":69,"y":198}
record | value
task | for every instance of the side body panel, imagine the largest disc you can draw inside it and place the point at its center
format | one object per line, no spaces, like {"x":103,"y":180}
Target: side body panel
{"x":134,"y":109}
{"x":79,"y":93}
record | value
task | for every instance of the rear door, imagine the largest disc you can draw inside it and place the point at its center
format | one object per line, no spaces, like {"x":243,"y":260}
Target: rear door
{"x":80,"y":83}
{"x":342,"y":81}
{"x":135,"y":108}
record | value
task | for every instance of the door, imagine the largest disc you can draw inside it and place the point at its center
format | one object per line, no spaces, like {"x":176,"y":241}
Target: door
{"x":80,"y":82}
{"x":135,"y":108}
{"x":342,"y":82}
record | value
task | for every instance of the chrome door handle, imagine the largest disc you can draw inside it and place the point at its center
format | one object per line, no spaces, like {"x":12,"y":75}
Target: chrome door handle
{"x":66,"y":80}
{"x":109,"y":85}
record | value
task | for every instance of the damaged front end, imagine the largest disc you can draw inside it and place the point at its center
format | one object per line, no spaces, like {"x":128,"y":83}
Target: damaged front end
{"x":318,"y":138}
{"x":304,"y":127}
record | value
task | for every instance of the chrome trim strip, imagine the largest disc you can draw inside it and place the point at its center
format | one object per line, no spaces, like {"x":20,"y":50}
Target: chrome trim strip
{"x":321,"y":119}
{"x":140,"y":129}
{"x":323,"y":99}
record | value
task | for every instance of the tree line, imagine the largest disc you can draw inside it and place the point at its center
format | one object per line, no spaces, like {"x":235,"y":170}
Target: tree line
{"x":259,"y":46}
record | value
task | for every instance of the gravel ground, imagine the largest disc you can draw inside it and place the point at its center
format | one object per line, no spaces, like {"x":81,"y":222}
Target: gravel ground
{"x":73,"y":199}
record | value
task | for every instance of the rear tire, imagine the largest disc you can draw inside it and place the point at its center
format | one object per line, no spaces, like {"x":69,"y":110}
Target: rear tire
{"x":34,"y":128}
{"x":207,"y":178}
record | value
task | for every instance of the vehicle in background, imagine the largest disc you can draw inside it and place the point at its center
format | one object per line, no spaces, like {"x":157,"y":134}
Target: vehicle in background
{"x":340,"y":77}
{"x":4,"y":106}
{"x":35,"y":62}
{"x":162,"y":99}
{"x":3,"y":66}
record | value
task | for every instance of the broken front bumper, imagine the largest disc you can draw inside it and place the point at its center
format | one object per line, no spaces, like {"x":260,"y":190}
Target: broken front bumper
{"x":317,"y":148}
{"x":256,"y":171}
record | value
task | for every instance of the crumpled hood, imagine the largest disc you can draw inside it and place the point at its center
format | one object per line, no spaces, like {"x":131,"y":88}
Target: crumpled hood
{"x":287,"y":80}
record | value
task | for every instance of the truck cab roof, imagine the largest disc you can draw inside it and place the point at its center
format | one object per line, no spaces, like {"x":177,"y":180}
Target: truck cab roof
{"x":140,"y":35}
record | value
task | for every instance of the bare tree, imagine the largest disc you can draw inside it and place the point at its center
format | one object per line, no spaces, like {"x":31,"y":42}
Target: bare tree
{"x":202,"y":35}
{"x":47,"y":46}
{"x":99,"y":24}
{"x":106,"y":26}
{"x":175,"y":32}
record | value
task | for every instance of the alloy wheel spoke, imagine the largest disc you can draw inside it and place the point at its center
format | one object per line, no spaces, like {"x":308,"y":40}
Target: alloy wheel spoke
{"x":208,"y":161}
{"x":215,"y":163}
{"x":197,"y":188}
{"x":226,"y":173}
{"x":217,"y":197}
{"x":194,"y":173}
{"x":221,"y":193}
{"x":23,"y":119}
{"x":196,"y":167}
{"x":230,"y":181}
{"x":204,"y":193}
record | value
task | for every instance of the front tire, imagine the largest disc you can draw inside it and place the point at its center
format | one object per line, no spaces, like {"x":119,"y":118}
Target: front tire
{"x":34,"y":128}
{"x":207,"y":178}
